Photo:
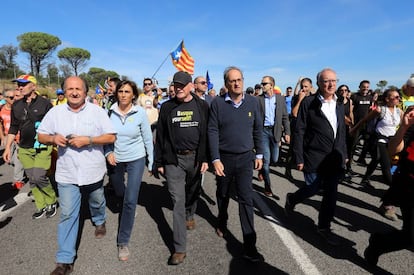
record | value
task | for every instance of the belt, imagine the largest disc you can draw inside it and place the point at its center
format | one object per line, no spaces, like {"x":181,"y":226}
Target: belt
{"x":268,"y":127}
{"x":185,"y":152}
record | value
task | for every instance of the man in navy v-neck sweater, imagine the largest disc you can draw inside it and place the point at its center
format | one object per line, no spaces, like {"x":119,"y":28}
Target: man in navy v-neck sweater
{"x":235,"y":137}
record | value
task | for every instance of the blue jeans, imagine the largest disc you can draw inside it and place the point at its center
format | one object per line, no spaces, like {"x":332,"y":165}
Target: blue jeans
{"x":270,"y":154}
{"x":314,"y":182}
{"x":70,"y":198}
{"x":130,"y":193}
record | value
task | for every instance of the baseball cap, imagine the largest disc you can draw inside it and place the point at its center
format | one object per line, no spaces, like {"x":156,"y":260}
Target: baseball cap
{"x":25,"y":78}
{"x":410,"y":82}
{"x":59,"y":92}
{"x":257,"y":86}
{"x":182,"y":78}
{"x":250,"y":91}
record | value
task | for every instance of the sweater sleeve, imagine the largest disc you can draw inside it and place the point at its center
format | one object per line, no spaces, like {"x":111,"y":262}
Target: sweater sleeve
{"x":213,"y":130}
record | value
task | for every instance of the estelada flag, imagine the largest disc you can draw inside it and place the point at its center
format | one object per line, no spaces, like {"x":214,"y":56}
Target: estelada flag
{"x":182,"y":60}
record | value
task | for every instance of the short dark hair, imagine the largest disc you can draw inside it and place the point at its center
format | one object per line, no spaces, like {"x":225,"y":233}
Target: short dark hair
{"x":364,"y":82}
{"x":130,"y":83}
{"x":147,"y":79}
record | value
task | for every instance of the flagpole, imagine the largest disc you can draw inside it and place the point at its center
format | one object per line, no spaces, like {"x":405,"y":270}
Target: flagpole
{"x":160,"y":66}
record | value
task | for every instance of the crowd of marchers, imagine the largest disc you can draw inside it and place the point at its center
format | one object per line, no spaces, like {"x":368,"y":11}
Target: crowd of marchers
{"x":184,"y":132}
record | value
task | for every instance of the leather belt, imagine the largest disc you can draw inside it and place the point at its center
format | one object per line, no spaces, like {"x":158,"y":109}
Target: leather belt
{"x":268,"y":127}
{"x":185,"y":152}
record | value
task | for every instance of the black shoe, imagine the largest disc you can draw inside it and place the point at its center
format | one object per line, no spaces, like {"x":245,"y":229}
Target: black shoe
{"x":366,"y":183}
{"x":51,"y":210}
{"x":39,"y":213}
{"x":253,"y":256}
{"x":289,"y":207}
{"x":329,"y":237}
{"x":288,"y":175}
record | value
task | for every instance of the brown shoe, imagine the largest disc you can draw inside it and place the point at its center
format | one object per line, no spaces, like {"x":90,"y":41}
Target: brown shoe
{"x":100,"y":231}
{"x":62,"y":269}
{"x":176,"y":258}
{"x":190,"y":224}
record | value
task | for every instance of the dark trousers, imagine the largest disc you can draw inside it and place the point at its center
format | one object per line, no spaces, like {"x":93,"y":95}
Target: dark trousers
{"x":238,"y":170}
{"x":313,"y":183}
{"x":380,"y":155}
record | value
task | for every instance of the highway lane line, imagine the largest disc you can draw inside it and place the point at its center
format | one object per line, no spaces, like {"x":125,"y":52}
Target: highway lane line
{"x":19,"y":200}
{"x":295,"y":250}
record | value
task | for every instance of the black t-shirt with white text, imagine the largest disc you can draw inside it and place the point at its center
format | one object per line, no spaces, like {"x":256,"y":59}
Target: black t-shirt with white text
{"x":185,"y":120}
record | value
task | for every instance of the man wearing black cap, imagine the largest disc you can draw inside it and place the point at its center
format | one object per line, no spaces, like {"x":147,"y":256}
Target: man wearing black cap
{"x":181,"y":155}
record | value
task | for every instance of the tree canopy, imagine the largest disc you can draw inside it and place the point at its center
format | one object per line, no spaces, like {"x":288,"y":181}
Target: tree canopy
{"x":38,"y":46}
{"x":77,"y":58}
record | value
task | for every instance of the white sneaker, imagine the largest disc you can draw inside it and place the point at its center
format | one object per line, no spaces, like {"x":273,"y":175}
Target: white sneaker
{"x":123,"y":253}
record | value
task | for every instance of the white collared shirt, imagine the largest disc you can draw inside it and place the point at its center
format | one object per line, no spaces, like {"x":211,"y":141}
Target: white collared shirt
{"x":329,"y":110}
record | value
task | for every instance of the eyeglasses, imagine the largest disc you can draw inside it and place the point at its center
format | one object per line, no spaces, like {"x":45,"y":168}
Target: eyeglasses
{"x":326,"y":81}
{"x":202,"y":82}
{"x":234,"y":81}
{"x":395,"y":97}
{"x":264,"y":83}
{"x":20,"y":84}
{"x":147,"y":84}
{"x":10,"y":97}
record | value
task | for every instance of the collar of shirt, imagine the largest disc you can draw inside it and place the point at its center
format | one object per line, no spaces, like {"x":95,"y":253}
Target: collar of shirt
{"x":323,"y":100}
{"x":228,"y":99}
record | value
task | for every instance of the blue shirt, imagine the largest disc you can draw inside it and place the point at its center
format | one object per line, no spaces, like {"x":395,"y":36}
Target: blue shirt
{"x":288,"y":100}
{"x":270,"y":107}
{"x":85,"y":165}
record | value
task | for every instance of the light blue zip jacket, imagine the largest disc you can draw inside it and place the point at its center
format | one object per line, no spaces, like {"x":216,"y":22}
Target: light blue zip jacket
{"x":134,"y":137}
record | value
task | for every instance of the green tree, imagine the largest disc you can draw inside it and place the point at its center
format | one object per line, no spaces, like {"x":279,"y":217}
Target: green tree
{"x":52,"y":73}
{"x":8,"y":67}
{"x":39,"y":46}
{"x":77,"y":58}
{"x":97,"y":75}
{"x":382,"y":84}
{"x":66,"y":70}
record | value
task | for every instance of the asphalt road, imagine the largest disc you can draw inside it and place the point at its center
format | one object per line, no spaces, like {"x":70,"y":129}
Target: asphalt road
{"x":290,"y":246}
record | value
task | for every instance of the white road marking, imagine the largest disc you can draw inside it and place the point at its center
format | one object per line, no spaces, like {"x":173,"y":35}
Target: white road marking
{"x":295,"y":250}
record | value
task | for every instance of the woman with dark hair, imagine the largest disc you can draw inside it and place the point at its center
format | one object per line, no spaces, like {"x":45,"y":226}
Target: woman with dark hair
{"x":386,"y":117}
{"x":344,"y":94}
{"x":401,"y":193}
{"x":128,"y":154}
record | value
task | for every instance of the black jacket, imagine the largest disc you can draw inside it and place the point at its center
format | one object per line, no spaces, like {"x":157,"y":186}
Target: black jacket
{"x":165,"y":151}
{"x":314,"y":142}
{"x":26,"y":118}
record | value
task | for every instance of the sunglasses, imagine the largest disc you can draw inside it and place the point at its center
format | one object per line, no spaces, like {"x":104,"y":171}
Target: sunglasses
{"x":264,"y":83}
{"x":10,"y":97}
{"x":20,"y":84}
{"x":202,"y":82}
{"x":344,"y":90}
{"x":147,"y":84}
{"x":395,"y":97}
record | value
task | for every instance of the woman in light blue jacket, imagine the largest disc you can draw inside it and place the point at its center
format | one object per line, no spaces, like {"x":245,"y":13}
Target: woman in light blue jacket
{"x":128,"y":154}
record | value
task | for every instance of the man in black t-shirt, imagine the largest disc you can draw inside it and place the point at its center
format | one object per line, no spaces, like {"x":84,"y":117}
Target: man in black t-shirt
{"x":362,"y":102}
{"x":181,"y":155}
